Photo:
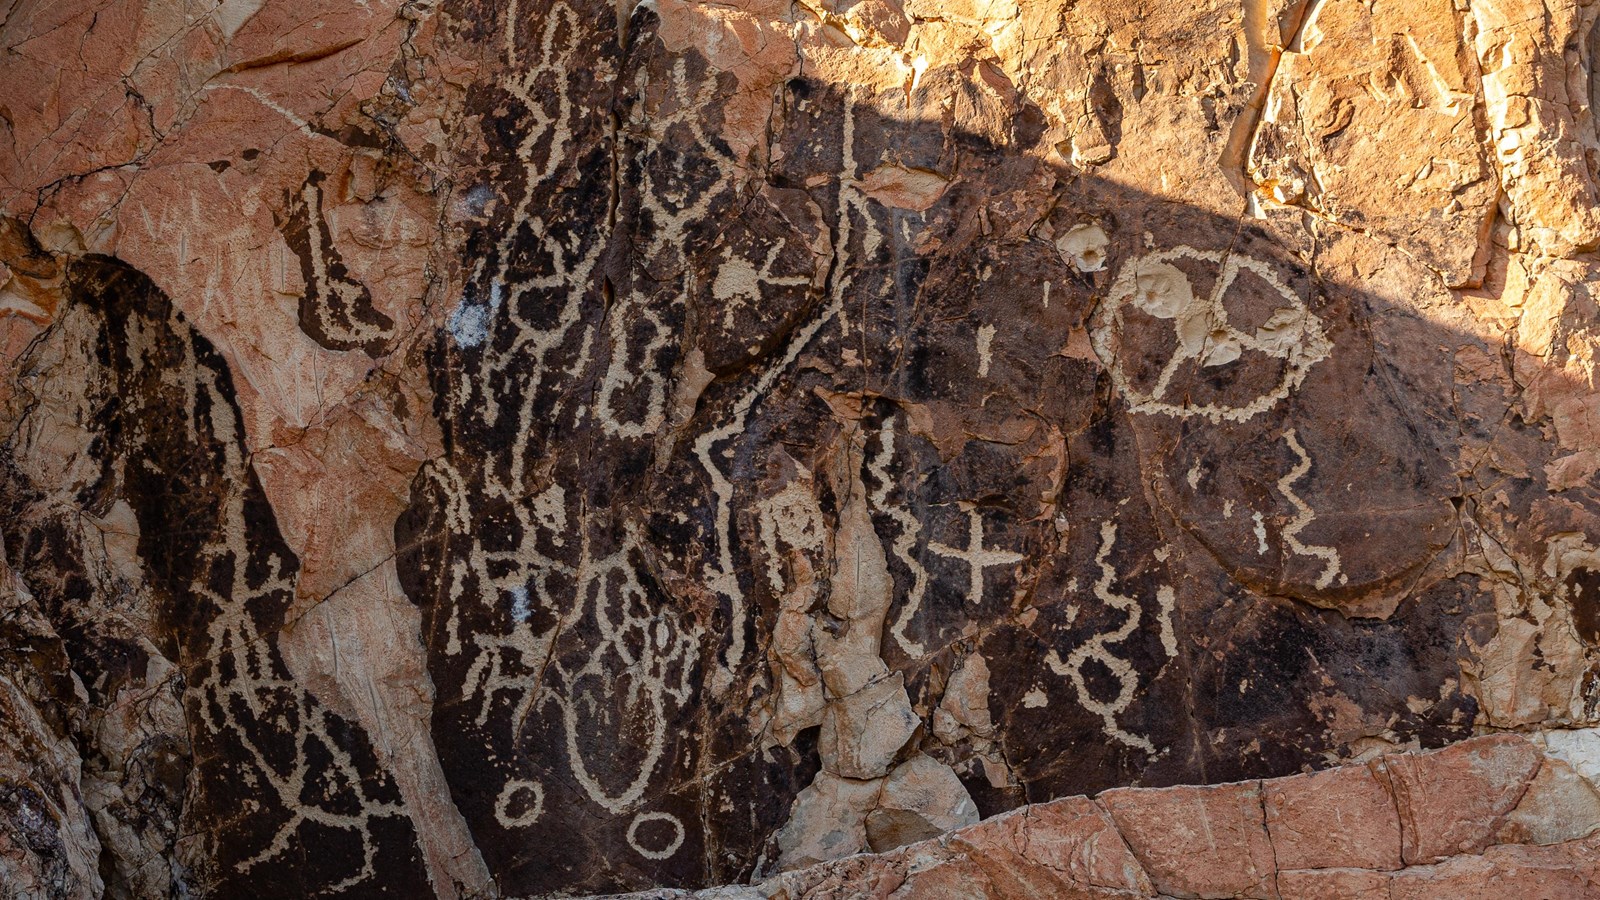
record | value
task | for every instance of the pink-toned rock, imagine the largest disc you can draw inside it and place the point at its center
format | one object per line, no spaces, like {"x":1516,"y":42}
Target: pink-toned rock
{"x":921,"y":798}
{"x":1563,"y":872}
{"x":1198,"y":841}
{"x":1340,"y":817}
{"x":828,"y":821}
{"x":876,"y":877}
{"x":853,"y":748}
{"x":510,"y":447}
{"x":1560,"y":805}
{"x":1328,"y":132}
{"x":1332,"y":884}
{"x":1073,"y":838}
{"x":965,"y":876}
{"x":1454,"y":800}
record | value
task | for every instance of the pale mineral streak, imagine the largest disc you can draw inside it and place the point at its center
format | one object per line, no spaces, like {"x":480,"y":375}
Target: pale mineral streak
{"x":835,"y":448}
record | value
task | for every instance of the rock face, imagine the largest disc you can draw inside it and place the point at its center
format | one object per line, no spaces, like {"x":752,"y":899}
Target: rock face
{"x":1347,"y":832}
{"x":487,"y":448}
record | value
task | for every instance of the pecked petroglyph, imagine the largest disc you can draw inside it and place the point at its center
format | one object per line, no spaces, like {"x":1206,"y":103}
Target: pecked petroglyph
{"x":522,"y":339}
{"x":1098,"y":647}
{"x":905,"y":543}
{"x":720,"y":572}
{"x":761,"y":432}
{"x":977,"y":557}
{"x":671,"y":208}
{"x":1304,"y":515}
{"x":335,"y":309}
{"x":1204,"y":335}
{"x":263,"y":744}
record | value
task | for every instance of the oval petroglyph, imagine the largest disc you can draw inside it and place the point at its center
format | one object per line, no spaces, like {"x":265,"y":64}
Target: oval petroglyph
{"x":1160,"y":286}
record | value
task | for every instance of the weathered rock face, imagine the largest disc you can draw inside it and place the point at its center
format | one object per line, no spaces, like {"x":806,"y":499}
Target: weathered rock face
{"x":504,"y":449}
{"x":1355,"y":831}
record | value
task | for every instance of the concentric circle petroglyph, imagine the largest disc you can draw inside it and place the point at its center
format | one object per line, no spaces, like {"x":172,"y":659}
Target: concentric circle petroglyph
{"x":1156,"y":286}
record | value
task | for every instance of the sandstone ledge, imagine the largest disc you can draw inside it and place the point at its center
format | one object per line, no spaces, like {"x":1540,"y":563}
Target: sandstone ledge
{"x":1453,"y":822}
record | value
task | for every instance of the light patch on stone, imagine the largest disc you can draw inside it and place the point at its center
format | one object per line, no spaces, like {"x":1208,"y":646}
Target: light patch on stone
{"x":1035,"y":698}
{"x":1261,"y":532}
{"x":966,"y":696}
{"x":1084,"y":247}
{"x":736,"y":279}
{"x":1577,"y":747}
{"x":521,"y":611}
{"x":231,"y":15}
{"x":985,"y":351}
{"x":738,"y":282}
{"x":469,"y":324}
{"x":904,"y":188}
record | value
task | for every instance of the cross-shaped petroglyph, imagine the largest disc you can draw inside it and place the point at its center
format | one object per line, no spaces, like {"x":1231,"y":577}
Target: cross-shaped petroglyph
{"x":1205,"y":336}
{"x":976,"y":556}
{"x":1097,"y":648}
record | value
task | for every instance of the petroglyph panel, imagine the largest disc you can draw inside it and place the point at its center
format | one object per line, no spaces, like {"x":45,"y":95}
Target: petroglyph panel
{"x":335,"y":309}
{"x":573,"y":447}
{"x":220,"y":587}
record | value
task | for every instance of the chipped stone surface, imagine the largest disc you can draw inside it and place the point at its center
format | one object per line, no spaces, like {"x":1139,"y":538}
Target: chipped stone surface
{"x":488,"y":448}
{"x":1371,"y":121}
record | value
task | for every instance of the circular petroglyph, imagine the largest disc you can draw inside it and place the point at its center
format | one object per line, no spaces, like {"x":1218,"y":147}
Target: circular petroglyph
{"x":520,"y":803}
{"x":654,"y":835}
{"x":1156,"y":372}
{"x":1084,"y":247}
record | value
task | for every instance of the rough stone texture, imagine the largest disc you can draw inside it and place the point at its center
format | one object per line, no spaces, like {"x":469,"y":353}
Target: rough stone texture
{"x":499,"y":448}
{"x":1306,"y":818}
{"x":1224,"y":841}
{"x":1481,"y":782}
